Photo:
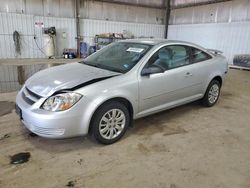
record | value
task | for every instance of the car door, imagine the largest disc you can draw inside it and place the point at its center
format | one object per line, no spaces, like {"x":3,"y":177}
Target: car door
{"x":174,"y":86}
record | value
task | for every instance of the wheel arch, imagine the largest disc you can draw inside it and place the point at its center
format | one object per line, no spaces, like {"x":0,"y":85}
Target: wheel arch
{"x":218,"y":78}
{"x":215,"y":76}
{"x":205,"y":100}
{"x":122,"y":100}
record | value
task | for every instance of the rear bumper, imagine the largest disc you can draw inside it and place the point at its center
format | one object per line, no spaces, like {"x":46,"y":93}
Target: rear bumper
{"x":65,"y":124}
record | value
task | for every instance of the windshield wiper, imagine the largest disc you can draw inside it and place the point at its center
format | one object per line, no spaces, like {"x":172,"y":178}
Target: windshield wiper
{"x":101,"y":66}
{"x":90,"y":64}
{"x":111,"y":68}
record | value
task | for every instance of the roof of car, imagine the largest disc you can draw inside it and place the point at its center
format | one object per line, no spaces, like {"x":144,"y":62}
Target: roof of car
{"x":157,"y":41}
{"x":163,"y":41}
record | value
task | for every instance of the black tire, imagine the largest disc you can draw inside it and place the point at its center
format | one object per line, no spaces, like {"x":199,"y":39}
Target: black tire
{"x":98,"y":116}
{"x":242,"y":60}
{"x":205,"y":101}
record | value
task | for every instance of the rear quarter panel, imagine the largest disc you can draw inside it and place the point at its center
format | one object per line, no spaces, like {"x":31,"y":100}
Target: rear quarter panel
{"x":218,"y":67}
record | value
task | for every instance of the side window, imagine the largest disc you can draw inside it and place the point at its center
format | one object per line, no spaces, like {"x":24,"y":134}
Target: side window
{"x":170,"y":57}
{"x":198,"y":55}
{"x":180,"y":56}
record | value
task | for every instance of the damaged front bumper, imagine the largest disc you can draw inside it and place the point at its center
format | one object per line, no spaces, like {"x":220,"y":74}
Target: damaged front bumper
{"x":64,"y":124}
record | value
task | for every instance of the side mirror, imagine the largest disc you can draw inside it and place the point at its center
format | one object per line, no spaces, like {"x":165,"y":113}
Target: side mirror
{"x":151,"y":70}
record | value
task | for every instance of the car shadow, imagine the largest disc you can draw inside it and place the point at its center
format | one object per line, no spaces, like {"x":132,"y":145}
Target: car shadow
{"x":62,"y":145}
{"x":159,"y":122}
{"x":156,"y":123}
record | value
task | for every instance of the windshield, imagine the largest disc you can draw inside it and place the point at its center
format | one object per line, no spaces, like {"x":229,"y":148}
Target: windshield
{"x":118,"y":57}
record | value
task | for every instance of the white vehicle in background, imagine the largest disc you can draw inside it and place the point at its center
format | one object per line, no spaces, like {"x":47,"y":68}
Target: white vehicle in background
{"x":123,"y":81}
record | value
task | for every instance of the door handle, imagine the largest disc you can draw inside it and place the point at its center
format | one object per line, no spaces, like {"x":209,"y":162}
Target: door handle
{"x":188,"y":74}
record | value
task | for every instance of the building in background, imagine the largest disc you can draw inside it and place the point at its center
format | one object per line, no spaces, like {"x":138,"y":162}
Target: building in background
{"x":224,"y":26}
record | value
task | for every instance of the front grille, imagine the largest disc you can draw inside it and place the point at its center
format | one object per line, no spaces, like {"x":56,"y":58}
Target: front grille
{"x":33,"y":94}
{"x":46,"y":131}
{"x":29,"y":96}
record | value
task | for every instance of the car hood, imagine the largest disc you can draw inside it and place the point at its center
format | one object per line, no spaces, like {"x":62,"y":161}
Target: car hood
{"x":48,"y":81}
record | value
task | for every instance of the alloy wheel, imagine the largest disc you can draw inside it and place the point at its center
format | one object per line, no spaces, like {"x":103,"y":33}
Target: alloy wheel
{"x":112,"y":124}
{"x":213,"y":93}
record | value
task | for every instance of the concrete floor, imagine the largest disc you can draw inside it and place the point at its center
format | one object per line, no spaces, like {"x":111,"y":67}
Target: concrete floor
{"x":187,"y":147}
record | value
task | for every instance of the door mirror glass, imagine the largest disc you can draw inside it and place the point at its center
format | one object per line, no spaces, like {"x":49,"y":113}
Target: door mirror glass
{"x":151,"y":70}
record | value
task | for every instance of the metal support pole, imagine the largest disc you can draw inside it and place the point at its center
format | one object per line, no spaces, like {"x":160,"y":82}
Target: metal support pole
{"x":78,"y":36}
{"x":168,"y":11}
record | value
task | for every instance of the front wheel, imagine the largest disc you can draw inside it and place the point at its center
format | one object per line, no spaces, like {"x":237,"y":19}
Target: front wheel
{"x":110,"y":122}
{"x":212,"y":94}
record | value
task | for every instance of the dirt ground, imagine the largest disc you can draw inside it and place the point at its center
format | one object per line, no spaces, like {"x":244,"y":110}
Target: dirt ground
{"x":186,"y":147}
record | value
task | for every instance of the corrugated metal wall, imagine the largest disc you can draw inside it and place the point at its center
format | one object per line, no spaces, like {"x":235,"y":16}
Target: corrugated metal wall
{"x":92,"y":27}
{"x":125,"y":13}
{"x":34,"y":48}
{"x":25,"y":25}
{"x":9,"y":77}
{"x":231,"y":11}
{"x":89,"y":9}
{"x":223,"y":26}
{"x":231,"y":38}
{"x":58,"y":8}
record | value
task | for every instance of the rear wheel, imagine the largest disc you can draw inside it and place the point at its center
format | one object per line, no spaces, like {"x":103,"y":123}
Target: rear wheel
{"x":212,"y":94}
{"x":110,"y":122}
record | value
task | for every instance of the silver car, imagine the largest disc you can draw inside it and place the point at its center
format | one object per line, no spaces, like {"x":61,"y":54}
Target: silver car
{"x":123,"y":81}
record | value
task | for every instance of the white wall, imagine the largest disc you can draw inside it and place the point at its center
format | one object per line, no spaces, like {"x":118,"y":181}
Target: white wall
{"x":224,"y":26}
{"x":125,"y":13}
{"x":89,"y":9}
{"x":231,"y":11}
{"x":231,"y":38}
{"x":25,"y":25}
{"x":92,"y":27}
{"x":62,"y":8}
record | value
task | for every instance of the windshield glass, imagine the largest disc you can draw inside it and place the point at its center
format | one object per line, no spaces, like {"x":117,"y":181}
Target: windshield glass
{"x":118,"y":57}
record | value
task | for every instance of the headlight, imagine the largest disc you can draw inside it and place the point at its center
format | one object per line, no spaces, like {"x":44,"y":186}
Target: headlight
{"x":61,"y":102}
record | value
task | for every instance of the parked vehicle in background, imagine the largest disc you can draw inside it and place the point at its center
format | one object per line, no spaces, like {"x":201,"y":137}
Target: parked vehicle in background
{"x":124,"y":81}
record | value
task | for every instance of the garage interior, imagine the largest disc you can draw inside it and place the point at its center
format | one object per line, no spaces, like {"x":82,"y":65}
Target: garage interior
{"x":188,"y":146}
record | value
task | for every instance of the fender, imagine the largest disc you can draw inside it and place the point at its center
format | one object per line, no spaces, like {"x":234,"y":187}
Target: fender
{"x":96,"y":103}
